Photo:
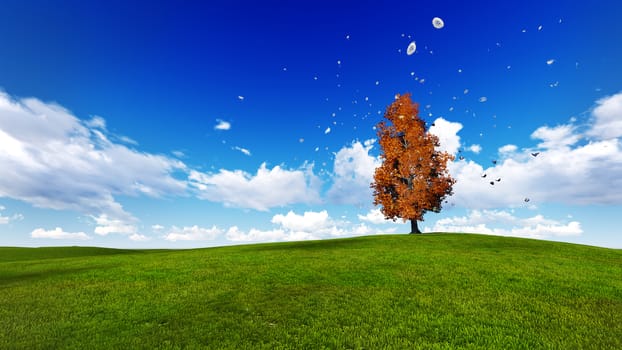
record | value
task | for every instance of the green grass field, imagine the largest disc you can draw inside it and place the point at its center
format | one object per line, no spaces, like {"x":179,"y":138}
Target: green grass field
{"x":433,"y":291}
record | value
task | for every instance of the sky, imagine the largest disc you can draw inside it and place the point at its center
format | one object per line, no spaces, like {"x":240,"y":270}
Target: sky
{"x":188,"y":124}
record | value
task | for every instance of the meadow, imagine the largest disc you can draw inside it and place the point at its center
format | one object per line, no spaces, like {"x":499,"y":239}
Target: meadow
{"x":431,"y":291}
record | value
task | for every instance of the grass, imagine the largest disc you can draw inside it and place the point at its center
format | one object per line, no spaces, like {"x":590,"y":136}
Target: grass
{"x":433,"y":291}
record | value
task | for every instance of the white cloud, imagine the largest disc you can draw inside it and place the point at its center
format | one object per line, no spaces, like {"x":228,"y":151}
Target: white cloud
{"x":309,"y":221}
{"x":569,"y":168}
{"x":58,"y":233}
{"x":607,"y":117}
{"x":243,"y":150}
{"x":254,"y":235}
{"x":559,"y":137}
{"x":139,"y":238}
{"x":179,"y":154}
{"x":51,"y":159}
{"x":588,"y":174}
{"x":107,"y":225}
{"x":353,"y":173}
{"x":375,"y":216}
{"x":504,"y":223}
{"x":475,"y":149}
{"x":222,"y":125}
{"x":266,"y":189}
{"x":96,"y":122}
{"x":193,"y":233}
{"x":6,"y":219}
{"x":447,"y":133}
{"x":507,"y":149}
{"x":295,"y":227}
{"x":157,"y":227}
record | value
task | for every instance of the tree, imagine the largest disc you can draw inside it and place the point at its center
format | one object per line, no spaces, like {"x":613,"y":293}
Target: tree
{"x":413,"y":176}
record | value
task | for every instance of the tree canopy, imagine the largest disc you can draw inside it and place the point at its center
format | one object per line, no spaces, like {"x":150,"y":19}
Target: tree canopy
{"x":413,"y":177}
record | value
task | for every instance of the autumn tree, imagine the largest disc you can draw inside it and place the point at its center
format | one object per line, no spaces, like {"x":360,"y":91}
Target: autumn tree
{"x":413,"y":177}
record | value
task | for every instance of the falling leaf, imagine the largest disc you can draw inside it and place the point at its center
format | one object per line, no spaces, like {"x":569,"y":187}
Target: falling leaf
{"x":438,"y":23}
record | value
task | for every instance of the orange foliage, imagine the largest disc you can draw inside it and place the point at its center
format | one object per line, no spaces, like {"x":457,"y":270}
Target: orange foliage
{"x":413,"y":177}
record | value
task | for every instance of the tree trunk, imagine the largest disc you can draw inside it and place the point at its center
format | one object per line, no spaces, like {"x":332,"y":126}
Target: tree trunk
{"x":414,"y":228}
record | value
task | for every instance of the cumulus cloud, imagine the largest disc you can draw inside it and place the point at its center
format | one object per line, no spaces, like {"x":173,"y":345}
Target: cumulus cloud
{"x":139,"y":238}
{"x":310,"y":225}
{"x":559,"y":137}
{"x":295,"y":227}
{"x":475,"y":148}
{"x":504,"y":223}
{"x":353,"y":172}
{"x":447,"y":133}
{"x":375,"y":216}
{"x":58,"y":233}
{"x":107,"y":225}
{"x":266,"y":189}
{"x":569,"y":168}
{"x":607,"y":117}
{"x":309,"y":221}
{"x":588,"y":174}
{"x":234,"y":234}
{"x":51,"y":159}
{"x":192,"y":233}
{"x":222,"y":125}
{"x":506,"y":149}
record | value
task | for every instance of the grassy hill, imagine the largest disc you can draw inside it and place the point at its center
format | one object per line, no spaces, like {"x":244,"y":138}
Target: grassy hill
{"x":433,"y":291}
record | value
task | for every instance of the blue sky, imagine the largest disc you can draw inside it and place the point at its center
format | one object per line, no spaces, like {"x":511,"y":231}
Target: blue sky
{"x":168,"y":124}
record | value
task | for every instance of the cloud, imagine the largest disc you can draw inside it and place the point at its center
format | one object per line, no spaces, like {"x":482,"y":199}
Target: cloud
{"x":234,"y":234}
{"x":7,"y":219}
{"x":475,"y":149}
{"x":243,"y":150}
{"x":58,"y":233}
{"x":309,"y":221}
{"x":507,"y":149}
{"x":179,"y":154}
{"x":447,"y":133}
{"x":375,"y":216}
{"x":559,"y":137}
{"x":107,"y":225}
{"x":193,"y":233}
{"x":157,"y":227}
{"x":222,"y":125}
{"x":295,"y":227}
{"x":607,"y":118}
{"x":504,"y":223}
{"x":266,"y":189}
{"x":353,"y":172}
{"x":139,"y":238}
{"x":569,"y":169}
{"x":51,"y":159}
